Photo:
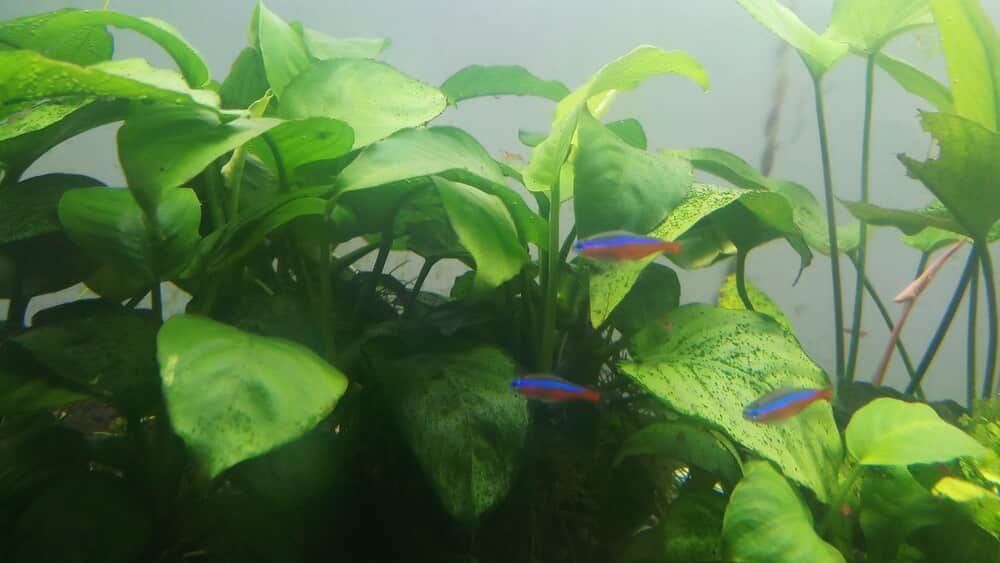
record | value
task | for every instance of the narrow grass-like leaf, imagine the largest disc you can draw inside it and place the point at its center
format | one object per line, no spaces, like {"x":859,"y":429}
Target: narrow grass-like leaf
{"x":232,"y":395}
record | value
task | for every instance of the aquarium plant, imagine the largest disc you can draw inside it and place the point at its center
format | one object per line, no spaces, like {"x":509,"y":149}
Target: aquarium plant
{"x":559,"y":402}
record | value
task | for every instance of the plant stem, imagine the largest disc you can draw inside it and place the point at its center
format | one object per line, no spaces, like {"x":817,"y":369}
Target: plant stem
{"x":970,"y":338}
{"x":214,"y":197}
{"x":945,"y":324}
{"x":922,"y":264}
{"x":831,"y":220}
{"x":991,"y":312}
{"x":384,"y":247}
{"x":18,"y":304}
{"x":567,"y":245}
{"x":352,"y":257}
{"x":279,"y":162}
{"x":157,"y":292}
{"x":883,"y":364}
{"x":838,"y":499}
{"x":545,"y":358}
{"x":741,"y":282}
{"x":425,"y":270}
{"x":852,"y":354}
{"x":236,"y":181}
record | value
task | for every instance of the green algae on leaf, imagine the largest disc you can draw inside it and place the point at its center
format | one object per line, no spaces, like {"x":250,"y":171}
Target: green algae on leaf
{"x":375,"y":99}
{"x":892,"y":432}
{"x":713,"y":362}
{"x":730,"y":299}
{"x":766,"y":520}
{"x":463,"y":423}
{"x":477,"y":81}
{"x":233,"y":395}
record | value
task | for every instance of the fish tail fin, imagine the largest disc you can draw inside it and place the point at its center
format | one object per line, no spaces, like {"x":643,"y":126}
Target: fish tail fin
{"x":825,"y":394}
{"x":591,"y":395}
{"x":671,"y":247}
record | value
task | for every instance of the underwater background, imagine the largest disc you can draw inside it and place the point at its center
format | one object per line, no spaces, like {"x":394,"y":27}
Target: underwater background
{"x":567,"y":40}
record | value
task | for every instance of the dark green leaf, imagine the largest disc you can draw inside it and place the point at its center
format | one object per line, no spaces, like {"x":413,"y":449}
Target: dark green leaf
{"x":917,"y":82}
{"x":375,"y":99}
{"x":486,"y":229}
{"x":281,"y":48}
{"x":64,"y":264}
{"x":30,"y":208}
{"x":618,"y":187}
{"x":303,"y":141}
{"x":893,"y":504}
{"x":966,"y":176}
{"x":767,"y":521}
{"x":25,"y":388}
{"x":109,"y":354}
{"x":463,"y":422}
{"x":656,"y":292}
{"x":713,"y":362}
{"x":689,"y":443}
{"x":246,"y":82}
{"x":232,"y":395}
{"x":26,"y":75}
{"x":110,"y":225}
{"x":477,"y":81}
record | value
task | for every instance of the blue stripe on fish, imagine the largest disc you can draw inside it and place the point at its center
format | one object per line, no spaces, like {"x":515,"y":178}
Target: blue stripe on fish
{"x":546,"y":384}
{"x":615,"y":241}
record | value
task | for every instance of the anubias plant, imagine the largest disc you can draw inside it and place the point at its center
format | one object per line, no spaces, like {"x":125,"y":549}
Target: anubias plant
{"x":304,"y":409}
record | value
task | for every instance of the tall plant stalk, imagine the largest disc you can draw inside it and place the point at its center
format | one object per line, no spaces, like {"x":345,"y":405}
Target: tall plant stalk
{"x":831,"y":221}
{"x":970,"y":339}
{"x":866,"y":135}
{"x":991,"y":314}
{"x":741,"y":283}
{"x":545,"y":357}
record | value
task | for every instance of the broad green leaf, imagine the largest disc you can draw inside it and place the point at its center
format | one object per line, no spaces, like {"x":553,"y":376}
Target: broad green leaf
{"x":530,"y":138}
{"x":282,"y":49}
{"x":64,"y":265}
{"x":687,"y":442}
{"x":477,"y":81}
{"x":713,"y":362}
{"x":766,"y":520}
{"x":322,"y":46}
{"x":486,"y":230}
{"x":893,"y":504}
{"x":624,"y":73}
{"x":412,"y":154}
{"x":892,"y":432}
{"x":246,"y":81}
{"x":25,"y":386}
{"x":38,"y":451}
{"x":917,"y":82}
{"x":375,"y":99}
{"x":303,"y":141}
{"x":232,"y":395}
{"x":982,"y":505}
{"x":966,"y":175}
{"x":818,"y":52}
{"x":867,"y":25}
{"x":87,"y":516}
{"x":466,"y":428}
{"x":111,"y":226}
{"x":30,"y":208}
{"x":932,"y":238}
{"x":26,"y":136}
{"x":910,"y":222}
{"x":630,"y":131}
{"x":972,"y":50}
{"x":59,"y":35}
{"x":109,"y":353}
{"x":167,"y":146}
{"x":729,"y":299}
{"x":26,"y":75}
{"x":656,"y":292}
{"x":618,"y":187}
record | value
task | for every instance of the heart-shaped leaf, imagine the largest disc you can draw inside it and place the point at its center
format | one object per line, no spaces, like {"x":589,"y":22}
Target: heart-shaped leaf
{"x":867,"y":25}
{"x":232,"y":395}
{"x":893,"y":432}
{"x":818,"y":52}
{"x":477,"y":80}
{"x":375,"y":99}
{"x":767,"y":521}
{"x":486,"y":229}
{"x":30,"y":208}
{"x":322,"y":46}
{"x":619,"y":187}
{"x":110,"y":225}
{"x":713,"y":362}
{"x":462,"y":421}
